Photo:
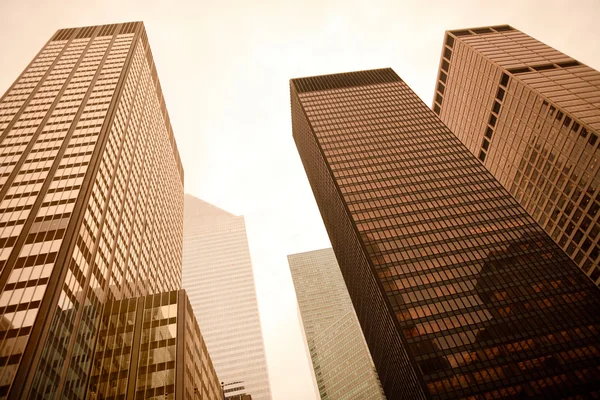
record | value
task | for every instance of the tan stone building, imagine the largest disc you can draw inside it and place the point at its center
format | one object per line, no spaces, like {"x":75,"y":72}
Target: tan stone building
{"x":531,"y":115}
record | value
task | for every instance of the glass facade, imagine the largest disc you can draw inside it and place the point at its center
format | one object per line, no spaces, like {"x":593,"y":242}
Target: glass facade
{"x":91,"y":203}
{"x":218,"y":276}
{"x":340,"y":357}
{"x":459,"y":292}
{"x":530,"y":114}
{"x":151,"y":348}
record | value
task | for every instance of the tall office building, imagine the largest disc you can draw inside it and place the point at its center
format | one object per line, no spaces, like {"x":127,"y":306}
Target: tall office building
{"x":340,"y":357}
{"x":459,"y":292}
{"x":531,"y":114}
{"x":170,"y":359}
{"x":218,"y":276}
{"x":91,"y":203}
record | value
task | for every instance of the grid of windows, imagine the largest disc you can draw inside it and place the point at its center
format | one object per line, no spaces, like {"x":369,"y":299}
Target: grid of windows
{"x":151,"y":347}
{"x":543,"y":124}
{"x":218,"y":276}
{"x":484,"y":303}
{"x":340,"y":357}
{"x":87,"y":161}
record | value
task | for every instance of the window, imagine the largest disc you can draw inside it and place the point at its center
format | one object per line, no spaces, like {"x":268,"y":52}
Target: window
{"x":502,"y":28}
{"x":485,"y":144}
{"x":543,"y":67}
{"x":568,"y":64}
{"x":496,"y":108}
{"x":482,"y":30}
{"x":515,"y":71}
{"x":441,"y":87}
{"x":500,"y":94}
{"x":445,"y":65}
{"x":443,"y":76}
{"x":465,"y":32}
{"x":447,"y":53}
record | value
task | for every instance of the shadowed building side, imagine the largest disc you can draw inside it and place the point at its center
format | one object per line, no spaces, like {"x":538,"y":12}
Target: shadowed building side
{"x":436,"y":254}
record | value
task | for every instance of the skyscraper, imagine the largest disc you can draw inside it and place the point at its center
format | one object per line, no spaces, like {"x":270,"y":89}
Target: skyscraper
{"x":459,"y":292}
{"x":340,"y":357}
{"x":218,"y":276}
{"x":169,"y":355}
{"x":91,"y":203}
{"x":531,"y":114}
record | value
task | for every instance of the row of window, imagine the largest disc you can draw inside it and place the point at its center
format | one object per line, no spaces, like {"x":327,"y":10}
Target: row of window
{"x":504,"y":252}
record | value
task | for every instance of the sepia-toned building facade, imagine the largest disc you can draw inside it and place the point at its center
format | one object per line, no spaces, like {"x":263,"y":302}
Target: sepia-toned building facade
{"x":459,"y":292}
{"x":340,"y":357}
{"x":91,"y":203}
{"x":531,"y":114}
{"x":240,"y":397}
{"x":218,"y":276}
{"x":151,"y":347}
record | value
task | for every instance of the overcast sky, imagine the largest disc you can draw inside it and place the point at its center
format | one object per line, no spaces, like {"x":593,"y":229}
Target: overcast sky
{"x":224,"y":67}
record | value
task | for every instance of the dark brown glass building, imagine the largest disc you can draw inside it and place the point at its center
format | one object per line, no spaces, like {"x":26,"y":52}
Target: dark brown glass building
{"x":151,"y":347}
{"x":531,"y":114}
{"x":459,"y":292}
{"x":91,"y":203}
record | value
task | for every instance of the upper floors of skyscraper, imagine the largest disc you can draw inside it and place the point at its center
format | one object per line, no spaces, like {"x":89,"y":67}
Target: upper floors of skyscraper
{"x":531,"y":114}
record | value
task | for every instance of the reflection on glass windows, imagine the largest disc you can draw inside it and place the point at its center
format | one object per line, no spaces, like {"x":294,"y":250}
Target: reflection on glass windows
{"x":136,"y":352}
{"x":454,"y":283}
{"x":87,"y":157}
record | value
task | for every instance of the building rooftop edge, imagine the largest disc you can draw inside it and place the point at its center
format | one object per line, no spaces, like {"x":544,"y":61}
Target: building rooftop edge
{"x":99,"y":26}
{"x":129,"y":27}
{"x":310,"y":252}
{"x":482,"y":29}
{"x":344,"y":80}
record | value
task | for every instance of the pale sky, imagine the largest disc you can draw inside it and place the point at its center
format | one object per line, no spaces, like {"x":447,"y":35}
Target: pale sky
{"x":224,"y":67}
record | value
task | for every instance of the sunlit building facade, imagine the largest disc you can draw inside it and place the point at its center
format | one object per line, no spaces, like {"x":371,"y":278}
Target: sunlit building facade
{"x":459,"y":292}
{"x":340,"y":357}
{"x":151,"y":347}
{"x":531,"y":114}
{"x":218,"y":276}
{"x":91,"y":203}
